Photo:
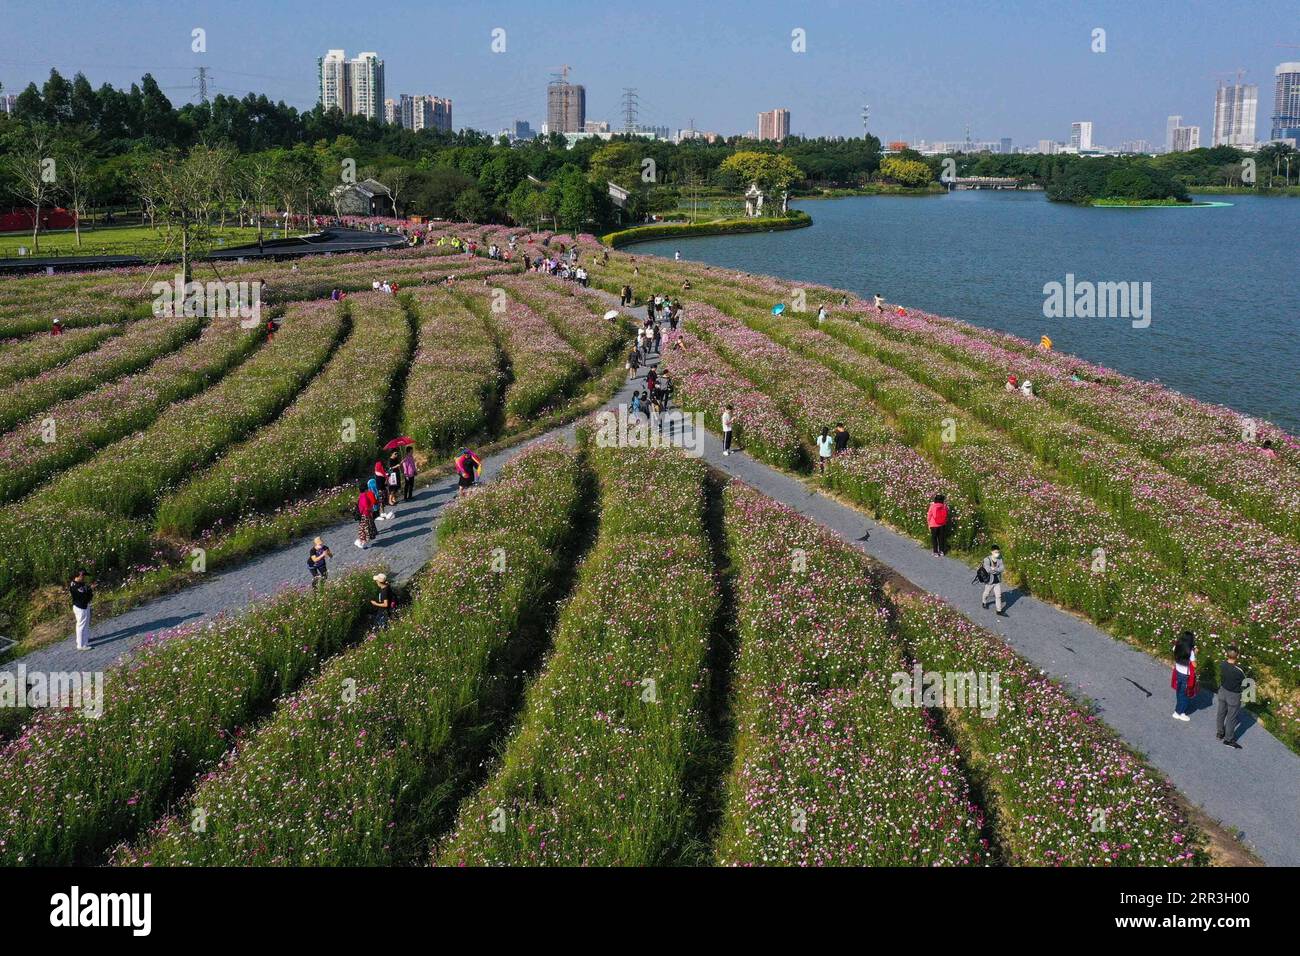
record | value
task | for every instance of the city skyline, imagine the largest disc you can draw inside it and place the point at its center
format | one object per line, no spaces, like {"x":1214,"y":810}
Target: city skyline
{"x":824,"y":87}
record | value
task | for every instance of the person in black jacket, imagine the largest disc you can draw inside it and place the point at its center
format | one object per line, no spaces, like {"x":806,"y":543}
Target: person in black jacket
{"x":82,"y":594}
{"x":1231,"y":678}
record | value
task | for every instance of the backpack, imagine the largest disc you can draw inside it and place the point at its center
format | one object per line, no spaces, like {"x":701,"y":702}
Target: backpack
{"x":982,"y":575}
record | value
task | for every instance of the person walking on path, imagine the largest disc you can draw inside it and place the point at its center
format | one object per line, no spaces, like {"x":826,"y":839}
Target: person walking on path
{"x":316,"y":558}
{"x":383,"y":602}
{"x":1182,"y":679}
{"x":467,"y":468}
{"x":937,"y":520}
{"x":625,"y":295}
{"x":408,"y":474}
{"x":880,"y":302}
{"x":366,"y":530}
{"x":1231,"y":677}
{"x":825,"y":449}
{"x":821,"y":314}
{"x":377,"y":492}
{"x":990,"y":574}
{"x":728,"y":420}
{"x":82,"y":594}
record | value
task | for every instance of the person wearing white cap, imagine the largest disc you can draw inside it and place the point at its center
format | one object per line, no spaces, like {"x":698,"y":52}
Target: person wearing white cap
{"x":383,"y":603}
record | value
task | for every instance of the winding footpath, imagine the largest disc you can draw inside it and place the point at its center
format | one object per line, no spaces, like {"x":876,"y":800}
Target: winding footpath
{"x":1254,"y":791}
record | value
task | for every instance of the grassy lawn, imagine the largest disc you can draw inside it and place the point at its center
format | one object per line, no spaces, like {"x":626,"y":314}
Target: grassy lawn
{"x":113,"y":240}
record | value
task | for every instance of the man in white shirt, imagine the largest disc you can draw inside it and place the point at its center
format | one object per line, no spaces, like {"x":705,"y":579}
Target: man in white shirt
{"x":726,"y":430}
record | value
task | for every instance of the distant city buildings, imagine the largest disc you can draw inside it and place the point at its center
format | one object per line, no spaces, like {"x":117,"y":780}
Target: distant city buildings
{"x":8,"y":102}
{"x":1171,"y":124}
{"x":566,"y":106}
{"x":774,"y":124}
{"x":355,"y":86}
{"x":1286,"y":103}
{"x":1186,"y":138}
{"x":1081,"y":136}
{"x":692,"y":133}
{"x":1047,"y":146}
{"x":1234,"y":114}
{"x":596,"y":126}
{"x":418,"y":111}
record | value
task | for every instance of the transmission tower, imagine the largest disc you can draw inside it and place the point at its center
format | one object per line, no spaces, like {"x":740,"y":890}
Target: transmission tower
{"x":866,"y":115}
{"x":203,"y":84}
{"x":629,"y":109}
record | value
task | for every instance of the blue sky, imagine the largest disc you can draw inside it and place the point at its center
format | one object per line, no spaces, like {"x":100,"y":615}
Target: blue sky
{"x":927,"y":69}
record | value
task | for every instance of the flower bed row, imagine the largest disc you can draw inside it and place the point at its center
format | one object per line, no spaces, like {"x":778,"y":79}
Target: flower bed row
{"x":1063,"y":789}
{"x":826,"y":771}
{"x":347,"y":772}
{"x":704,"y":382}
{"x":331,"y":432}
{"x":89,"y":515}
{"x":27,"y":358}
{"x":544,"y":368}
{"x":1058,"y":542}
{"x":140,"y":344}
{"x":575,"y":313}
{"x":896,"y":486}
{"x":70,"y":785}
{"x":1246,"y":568}
{"x":34,"y":452}
{"x":452,"y":383}
{"x":1203,"y":444}
{"x":597,"y":771}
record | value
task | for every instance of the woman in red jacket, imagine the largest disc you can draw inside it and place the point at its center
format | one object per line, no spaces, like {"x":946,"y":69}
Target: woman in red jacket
{"x":366,"y":531}
{"x":937,"y":519}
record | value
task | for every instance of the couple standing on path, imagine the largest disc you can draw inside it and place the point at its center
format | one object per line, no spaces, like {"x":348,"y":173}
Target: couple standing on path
{"x":1232,"y":680}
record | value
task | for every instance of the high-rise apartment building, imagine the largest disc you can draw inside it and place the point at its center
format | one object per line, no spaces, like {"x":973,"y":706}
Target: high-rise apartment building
{"x":417,"y":112}
{"x":334,"y":87}
{"x":1185,"y":138}
{"x":566,"y":107}
{"x":354,"y":86}
{"x":1234,"y":114}
{"x":1047,"y":146}
{"x":368,"y":86}
{"x":1171,"y":124}
{"x":1286,"y":102}
{"x":774,"y":124}
{"x":392,"y":113}
{"x":1081,"y":136}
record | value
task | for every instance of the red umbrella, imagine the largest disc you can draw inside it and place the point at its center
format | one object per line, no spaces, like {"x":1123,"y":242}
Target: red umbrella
{"x":399,"y":443}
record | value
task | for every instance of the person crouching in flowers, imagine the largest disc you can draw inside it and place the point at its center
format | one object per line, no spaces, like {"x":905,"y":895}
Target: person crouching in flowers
{"x":366,"y":531}
{"x":1182,"y":680}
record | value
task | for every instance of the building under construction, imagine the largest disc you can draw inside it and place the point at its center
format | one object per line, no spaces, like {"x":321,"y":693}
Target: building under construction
{"x":566,"y":105}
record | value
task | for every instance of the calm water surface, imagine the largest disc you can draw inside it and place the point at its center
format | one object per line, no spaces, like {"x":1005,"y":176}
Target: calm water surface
{"x":1225,"y":282}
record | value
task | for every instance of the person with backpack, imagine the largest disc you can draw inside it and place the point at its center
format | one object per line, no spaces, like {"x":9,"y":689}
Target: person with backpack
{"x":383,"y":603}
{"x":316,"y":562}
{"x":937,"y":520}
{"x":990,"y":574}
{"x":1182,"y":679}
{"x":1231,"y":678}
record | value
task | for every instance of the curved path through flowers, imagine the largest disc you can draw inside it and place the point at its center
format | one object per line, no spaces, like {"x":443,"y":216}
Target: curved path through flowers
{"x":1255,"y":790}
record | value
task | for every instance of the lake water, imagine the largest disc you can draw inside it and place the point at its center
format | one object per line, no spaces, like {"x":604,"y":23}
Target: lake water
{"x":1224,"y":293}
